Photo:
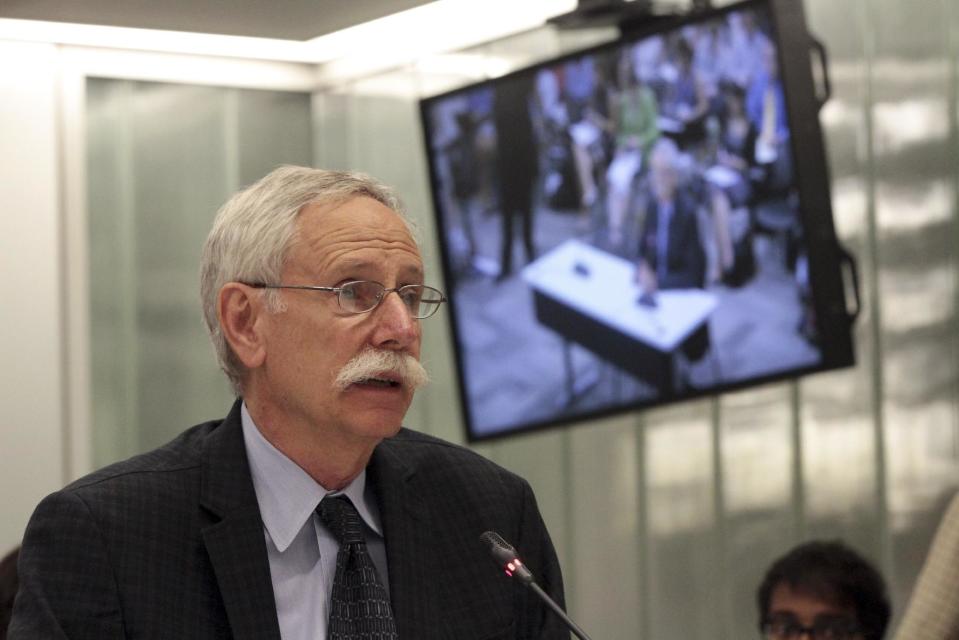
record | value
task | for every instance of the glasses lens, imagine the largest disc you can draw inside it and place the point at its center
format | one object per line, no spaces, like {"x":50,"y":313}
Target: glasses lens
{"x":360,"y":296}
{"x":782,"y":630}
{"x":835,"y":630}
{"x":422,"y":301}
{"x":821,"y":630}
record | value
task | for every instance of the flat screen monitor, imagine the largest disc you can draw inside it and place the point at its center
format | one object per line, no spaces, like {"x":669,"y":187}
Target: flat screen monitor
{"x":638,"y":223}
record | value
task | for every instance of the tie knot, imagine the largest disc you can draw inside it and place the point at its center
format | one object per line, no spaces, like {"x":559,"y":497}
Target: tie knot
{"x":340,"y":517}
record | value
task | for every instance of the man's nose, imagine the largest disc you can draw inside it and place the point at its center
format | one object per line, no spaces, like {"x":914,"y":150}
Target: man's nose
{"x":395,"y":320}
{"x":399,"y":302}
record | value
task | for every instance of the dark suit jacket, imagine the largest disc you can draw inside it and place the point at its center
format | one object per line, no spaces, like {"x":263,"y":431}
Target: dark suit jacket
{"x":170,"y":544}
{"x":685,"y":259}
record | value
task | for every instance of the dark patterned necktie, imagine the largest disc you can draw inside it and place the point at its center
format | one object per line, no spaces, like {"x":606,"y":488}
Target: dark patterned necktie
{"x":360,"y":606}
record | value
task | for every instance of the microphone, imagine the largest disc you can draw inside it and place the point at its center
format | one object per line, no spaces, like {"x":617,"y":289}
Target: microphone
{"x":507,"y":558}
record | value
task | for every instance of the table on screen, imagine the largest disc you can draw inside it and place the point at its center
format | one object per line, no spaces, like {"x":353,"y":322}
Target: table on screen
{"x":590,"y":297}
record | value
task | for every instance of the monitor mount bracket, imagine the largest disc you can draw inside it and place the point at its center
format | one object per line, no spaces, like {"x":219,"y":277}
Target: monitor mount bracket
{"x":630,"y":17}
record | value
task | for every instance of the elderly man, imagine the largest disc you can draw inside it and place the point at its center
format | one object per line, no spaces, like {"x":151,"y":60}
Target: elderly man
{"x":308,"y":512}
{"x":671,"y":252}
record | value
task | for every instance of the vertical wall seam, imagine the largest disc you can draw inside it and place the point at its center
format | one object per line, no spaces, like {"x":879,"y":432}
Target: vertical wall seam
{"x":230,"y":129}
{"x":63,"y":295}
{"x":124,"y":147}
{"x":642,"y":531}
{"x":951,"y":14}
{"x":798,"y":478}
{"x":721,"y":578}
{"x":872,"y":286}
{"x":569,"y":510}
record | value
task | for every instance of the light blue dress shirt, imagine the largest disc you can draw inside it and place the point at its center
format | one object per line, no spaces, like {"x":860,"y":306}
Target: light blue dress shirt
{"x":301,"y":551}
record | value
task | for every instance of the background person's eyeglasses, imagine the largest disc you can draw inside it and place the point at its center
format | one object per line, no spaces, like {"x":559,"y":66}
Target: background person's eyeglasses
{"x":362,"y":296}
{"x":819,"y":630}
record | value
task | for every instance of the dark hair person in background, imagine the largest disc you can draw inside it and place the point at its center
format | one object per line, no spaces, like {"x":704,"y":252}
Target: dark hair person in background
{"x":258,"y":526}
{"x":823,"y":591}
{"x":8,"y":589}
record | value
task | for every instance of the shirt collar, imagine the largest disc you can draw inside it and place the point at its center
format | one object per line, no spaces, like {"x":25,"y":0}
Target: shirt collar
{"x":287,"y":495}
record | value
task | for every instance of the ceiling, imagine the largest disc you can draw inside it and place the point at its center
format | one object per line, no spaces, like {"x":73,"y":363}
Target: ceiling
{"x":280,"y":19}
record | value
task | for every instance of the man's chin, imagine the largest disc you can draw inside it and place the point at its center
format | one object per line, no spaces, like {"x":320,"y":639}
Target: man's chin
{"x":377,"y":412}
{"x":378,"y":430}
{"x":377,"y":422}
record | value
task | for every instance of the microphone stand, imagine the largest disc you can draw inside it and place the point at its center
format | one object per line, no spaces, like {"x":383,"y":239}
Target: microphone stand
{"x":579,"y":633}
{"x":505,"y":556}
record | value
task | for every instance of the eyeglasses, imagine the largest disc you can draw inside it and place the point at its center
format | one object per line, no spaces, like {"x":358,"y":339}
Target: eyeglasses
{"x":826,"y":629}
{"x":362,"y":296}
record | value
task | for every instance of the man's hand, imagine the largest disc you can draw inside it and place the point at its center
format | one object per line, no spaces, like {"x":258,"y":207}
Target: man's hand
{"x":645,"y":277}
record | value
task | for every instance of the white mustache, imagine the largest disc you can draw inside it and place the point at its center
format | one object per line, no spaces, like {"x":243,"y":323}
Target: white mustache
{"x":375,"y":362}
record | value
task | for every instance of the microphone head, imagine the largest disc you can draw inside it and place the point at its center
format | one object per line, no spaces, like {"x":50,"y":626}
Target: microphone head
{"x":502,"y":551}
{"x":505,"y":555}
{"x":494,"y":540}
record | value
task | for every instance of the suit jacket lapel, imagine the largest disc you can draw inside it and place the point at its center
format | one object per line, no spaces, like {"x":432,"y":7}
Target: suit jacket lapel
{"x":235,"y":541}
{"x":405,"y":519}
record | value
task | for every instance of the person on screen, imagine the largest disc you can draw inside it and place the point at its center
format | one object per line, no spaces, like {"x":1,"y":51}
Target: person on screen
{"x":254,"y":526}
{"x":671,"y":253}
{"x":822,"y":590}
{"x":766,"y":110}
{"x":456,"y":143}
{"x":634,"y":124}
{"x":586,"y":106}
{"x":517,"y":165}
{"x":729,"y":183}
{"x":685,"y":101}
{"x":744,"y":42}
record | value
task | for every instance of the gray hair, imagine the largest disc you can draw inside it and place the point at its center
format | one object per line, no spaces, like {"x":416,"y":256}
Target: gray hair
{"x":666,"y":152}
{"x":254,"y":230}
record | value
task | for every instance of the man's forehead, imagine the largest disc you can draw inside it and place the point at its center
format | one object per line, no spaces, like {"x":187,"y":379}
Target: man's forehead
{"x":357,"y":232}
{"x":358,"y":213}
{"x":811,"y":599}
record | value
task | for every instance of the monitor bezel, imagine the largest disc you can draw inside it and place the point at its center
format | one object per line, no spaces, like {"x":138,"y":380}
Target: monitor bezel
{"x":794,"y":46}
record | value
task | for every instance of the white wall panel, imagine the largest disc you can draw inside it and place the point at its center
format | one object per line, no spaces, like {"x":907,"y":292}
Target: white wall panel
{"x":31,"y":382}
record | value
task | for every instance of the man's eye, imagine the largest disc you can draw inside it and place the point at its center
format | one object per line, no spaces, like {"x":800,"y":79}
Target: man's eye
{"x":412,"y":296}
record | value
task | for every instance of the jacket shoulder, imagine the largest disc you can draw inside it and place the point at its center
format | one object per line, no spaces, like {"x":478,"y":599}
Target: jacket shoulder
{"x":180,"y":454}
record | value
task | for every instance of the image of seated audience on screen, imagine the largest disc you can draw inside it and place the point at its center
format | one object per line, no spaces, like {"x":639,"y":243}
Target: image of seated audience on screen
{"x":622,"y":227}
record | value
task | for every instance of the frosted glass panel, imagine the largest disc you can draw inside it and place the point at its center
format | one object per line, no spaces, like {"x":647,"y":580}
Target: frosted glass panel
{"x":682,"y":546}
{"x":605,"y":481}
{"x":916,"y":225}
{"x":758,"y":498}
{"x":161,"y":158}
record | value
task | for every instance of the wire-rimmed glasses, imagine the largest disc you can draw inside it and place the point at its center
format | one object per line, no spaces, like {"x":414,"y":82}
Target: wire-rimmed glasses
{"x":826,"y":629}
{"x":362,"y":296}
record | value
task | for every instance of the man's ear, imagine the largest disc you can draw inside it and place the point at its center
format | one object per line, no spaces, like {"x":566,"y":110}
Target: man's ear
{"x":240,"y":309}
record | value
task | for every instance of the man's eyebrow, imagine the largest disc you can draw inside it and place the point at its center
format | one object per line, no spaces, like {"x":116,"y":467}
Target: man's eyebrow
{"x":347,"y":264}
